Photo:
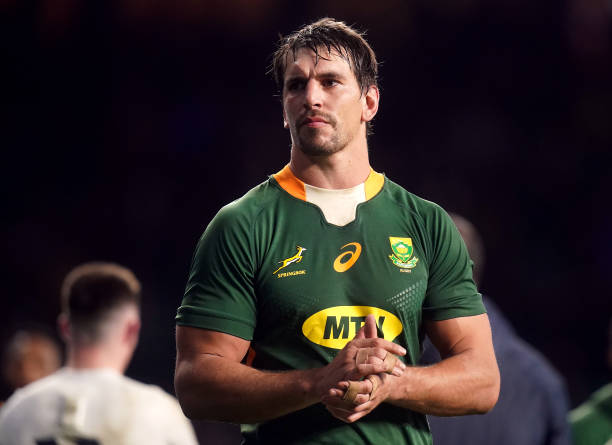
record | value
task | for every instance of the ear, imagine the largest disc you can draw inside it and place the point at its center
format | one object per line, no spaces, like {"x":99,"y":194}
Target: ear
{"x":370,"y":103}
{"x":131,"y":331}
{"x":63,"y":326}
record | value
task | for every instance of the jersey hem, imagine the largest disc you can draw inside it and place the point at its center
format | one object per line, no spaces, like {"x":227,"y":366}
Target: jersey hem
{"x":217,"y":322}
{"x":435,"y":314}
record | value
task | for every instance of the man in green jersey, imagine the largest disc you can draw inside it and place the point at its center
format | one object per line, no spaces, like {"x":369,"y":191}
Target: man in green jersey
{"x":324,"y":273}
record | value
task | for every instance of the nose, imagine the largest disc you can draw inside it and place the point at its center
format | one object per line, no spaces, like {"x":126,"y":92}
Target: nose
{"x":313,"y":97}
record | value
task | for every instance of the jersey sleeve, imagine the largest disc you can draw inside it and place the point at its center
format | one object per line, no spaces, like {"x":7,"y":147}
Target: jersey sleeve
{"x":220,"y":290}
{"x":451,"y":291}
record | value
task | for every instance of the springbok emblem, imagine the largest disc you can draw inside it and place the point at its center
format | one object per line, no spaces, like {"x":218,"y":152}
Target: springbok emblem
{"x":294,"y":259}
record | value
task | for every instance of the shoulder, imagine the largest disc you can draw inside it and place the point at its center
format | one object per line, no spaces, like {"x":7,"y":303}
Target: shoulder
{"x":599,"y":400}
{"x":433,"y":223}
{"x":252,"y":202}
{"x":36,"y":389}
{"x":241,"y":214}
{"x":603,"y":396}
{"x":591,"y":418}
{"x":234,"y":223}
{"x":31,"y":399}
{"x":410,"y":201}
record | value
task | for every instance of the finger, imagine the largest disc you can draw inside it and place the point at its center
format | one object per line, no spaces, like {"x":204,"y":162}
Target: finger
{"x":355,"y":389}
{"x":361,"y":399}
{"x":370,"y":355}
{"x":372,"y":368}
{"x":390,"y":362}
{"x":373,"y":355}
{"x":361,"y":386}
{"x":338,"y":402}
{"x":343,"y":385}
{"x":362,"y":355}
{"x":370,"y":327}
{"x":356,"y":416}
{"x":351,"y":392}
{"x":338,"y":412}
{"x":378,"y":343}
{"x":341,"y":415}
{"x":334,"y":392}
{"x":344,"y":404}
{"x":375,"y":381}
{"x":350,"y":416}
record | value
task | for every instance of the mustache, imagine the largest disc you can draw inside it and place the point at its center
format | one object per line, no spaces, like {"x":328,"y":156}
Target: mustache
{"x":326,"y":117}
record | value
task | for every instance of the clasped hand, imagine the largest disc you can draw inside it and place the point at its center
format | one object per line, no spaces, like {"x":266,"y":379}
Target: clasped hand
{"x":361,"y":375}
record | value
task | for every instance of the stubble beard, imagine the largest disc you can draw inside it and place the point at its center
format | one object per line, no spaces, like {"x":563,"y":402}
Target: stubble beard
{"x":311,"y":142}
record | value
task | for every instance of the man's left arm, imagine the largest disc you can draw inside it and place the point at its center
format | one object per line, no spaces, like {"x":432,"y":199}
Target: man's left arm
{"x":466,"y":381}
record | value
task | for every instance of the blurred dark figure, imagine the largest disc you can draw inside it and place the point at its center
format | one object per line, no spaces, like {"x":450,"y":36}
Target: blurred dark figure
{"x":592,"y":421}
{"x":29,"y":355}
{"x":90,"y":401}
{"x":533,"y":403}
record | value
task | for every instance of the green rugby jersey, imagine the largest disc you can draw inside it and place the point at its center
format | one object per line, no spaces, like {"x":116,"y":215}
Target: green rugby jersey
{"x":592,"y":421}
{"x":270,"y":269}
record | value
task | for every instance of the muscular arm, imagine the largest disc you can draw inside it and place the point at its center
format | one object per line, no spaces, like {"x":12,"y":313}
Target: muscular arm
{"x":212,"y":384}
{"x":466,"y":381}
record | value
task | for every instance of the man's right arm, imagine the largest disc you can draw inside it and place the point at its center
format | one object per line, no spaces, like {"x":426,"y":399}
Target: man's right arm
{"x":212,"y":384}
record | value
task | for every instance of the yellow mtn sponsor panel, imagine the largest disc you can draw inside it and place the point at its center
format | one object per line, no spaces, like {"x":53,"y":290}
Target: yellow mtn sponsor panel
{"x":334,"y":327}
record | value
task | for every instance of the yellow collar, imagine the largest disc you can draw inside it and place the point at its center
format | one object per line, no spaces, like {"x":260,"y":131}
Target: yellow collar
{"x":292,"y":185}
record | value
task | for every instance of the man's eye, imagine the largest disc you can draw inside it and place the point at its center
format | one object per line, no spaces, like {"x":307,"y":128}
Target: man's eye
{"x":295,"y":85}
{"x":329,"y":82}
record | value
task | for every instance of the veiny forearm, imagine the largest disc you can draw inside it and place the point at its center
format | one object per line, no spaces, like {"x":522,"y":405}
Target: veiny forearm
{"x":461,"y":384}
{"x":215,"y":388}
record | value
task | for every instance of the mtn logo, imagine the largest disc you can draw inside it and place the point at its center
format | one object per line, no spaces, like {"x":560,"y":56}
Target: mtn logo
{"x":334,"y":327}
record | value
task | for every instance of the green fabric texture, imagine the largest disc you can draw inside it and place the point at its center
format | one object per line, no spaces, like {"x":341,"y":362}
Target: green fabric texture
{"x":264,"y":271}
{"x":592,"y":421}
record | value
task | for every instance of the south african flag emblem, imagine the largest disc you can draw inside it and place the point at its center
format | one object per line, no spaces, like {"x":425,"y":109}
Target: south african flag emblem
{"x":402,"y":252}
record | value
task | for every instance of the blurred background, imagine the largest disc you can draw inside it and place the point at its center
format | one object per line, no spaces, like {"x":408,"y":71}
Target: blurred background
{"x":126,"y":126}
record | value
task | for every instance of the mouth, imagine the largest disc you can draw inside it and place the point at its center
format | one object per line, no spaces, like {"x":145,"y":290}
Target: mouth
{"x":314,"y":122}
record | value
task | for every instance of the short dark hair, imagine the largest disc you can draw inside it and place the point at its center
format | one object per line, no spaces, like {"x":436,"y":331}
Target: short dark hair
{"x":92,"y":291}
{"x":332,"y":35}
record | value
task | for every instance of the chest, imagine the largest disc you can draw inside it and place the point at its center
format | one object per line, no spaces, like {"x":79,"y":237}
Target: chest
{"x":323,"y":279}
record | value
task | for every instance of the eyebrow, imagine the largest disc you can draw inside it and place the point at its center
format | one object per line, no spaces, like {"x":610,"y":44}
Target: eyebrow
{"x":329,"y":74}
{"x":322,"y":75}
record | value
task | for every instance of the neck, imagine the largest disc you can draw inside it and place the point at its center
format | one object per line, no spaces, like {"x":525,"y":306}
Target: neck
{"x":96,"y":357}
{"x":341,"y":170}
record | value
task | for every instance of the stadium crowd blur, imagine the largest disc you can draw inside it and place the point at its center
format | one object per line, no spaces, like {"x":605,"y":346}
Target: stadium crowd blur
{"x":28,"y":355}
{"x":127,"y":125}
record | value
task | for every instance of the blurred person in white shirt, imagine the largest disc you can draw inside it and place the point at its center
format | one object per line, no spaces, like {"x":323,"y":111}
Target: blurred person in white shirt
{"x":90,"y":401}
